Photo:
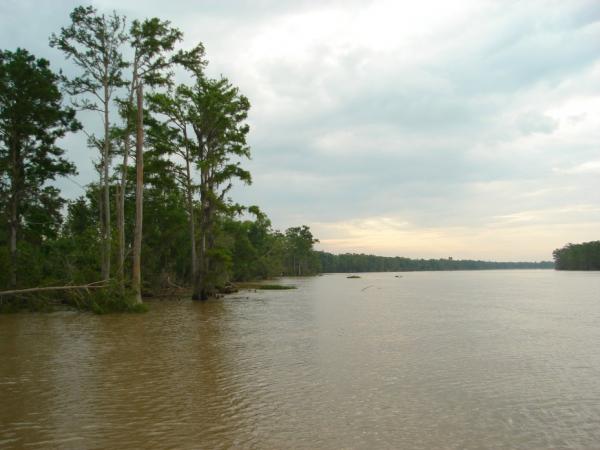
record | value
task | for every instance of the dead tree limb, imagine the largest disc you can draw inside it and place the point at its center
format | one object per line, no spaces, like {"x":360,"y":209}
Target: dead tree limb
{"x":95,"y":285}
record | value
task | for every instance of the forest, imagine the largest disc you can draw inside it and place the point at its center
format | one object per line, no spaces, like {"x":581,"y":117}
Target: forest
{"x":584,"y":256}
{"x":159,"y":214}
{"x":352,"y":262}
{"x":166,"y":154}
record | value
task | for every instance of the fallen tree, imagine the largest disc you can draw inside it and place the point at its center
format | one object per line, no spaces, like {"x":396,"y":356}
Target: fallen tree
{"x":94,"y":285}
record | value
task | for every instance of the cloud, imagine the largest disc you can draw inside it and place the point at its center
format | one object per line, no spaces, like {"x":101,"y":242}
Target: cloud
{"x":463,"y":123}
{"x":514,"y":241}
{"x":589,"y":167}
{"x":533,"y":122}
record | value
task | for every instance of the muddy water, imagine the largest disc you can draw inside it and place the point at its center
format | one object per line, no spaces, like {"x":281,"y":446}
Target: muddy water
{"x":460,"y":360}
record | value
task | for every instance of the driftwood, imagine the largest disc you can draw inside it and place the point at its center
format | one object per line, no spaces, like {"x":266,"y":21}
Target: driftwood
{"x":95,"y":285}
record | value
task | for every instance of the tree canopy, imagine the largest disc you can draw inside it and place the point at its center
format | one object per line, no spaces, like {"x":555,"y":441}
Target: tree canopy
{"x":191,"y":143}
{"x":584,"y":256}
{"x":32,"y":119}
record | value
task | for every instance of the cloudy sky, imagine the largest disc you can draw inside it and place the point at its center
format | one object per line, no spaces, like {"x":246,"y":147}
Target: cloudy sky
{"x":419,"y":128}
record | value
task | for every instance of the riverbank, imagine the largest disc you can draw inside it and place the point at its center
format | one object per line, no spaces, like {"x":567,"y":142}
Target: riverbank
{"x":111,"y":299}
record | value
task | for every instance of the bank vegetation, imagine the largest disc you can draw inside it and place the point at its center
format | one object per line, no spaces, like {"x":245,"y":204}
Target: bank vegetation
{"x":167,"y":155}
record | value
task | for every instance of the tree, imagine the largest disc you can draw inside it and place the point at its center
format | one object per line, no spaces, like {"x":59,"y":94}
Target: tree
{"x":93,"y":42}
{"x":257,"y":252}
{"x":136,"y":274}
{"x":153,"y":42}
{"x":173,"y":138}
{"x":166,"y":239}
{"x":217,"y":114}
{"x":32,"y":118}
{"x":584,"y":256}
{"x":300,"y":251}
{"x":203,"y":126}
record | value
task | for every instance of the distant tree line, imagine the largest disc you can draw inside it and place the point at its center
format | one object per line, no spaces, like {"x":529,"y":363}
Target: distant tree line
{"x":584,"y":256}
{"x":353,"y":262}
{"x":167,"y":156}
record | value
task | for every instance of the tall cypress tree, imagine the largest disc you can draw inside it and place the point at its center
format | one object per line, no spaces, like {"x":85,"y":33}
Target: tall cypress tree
{"x":93,"y":41}
{"x":217,"y":114}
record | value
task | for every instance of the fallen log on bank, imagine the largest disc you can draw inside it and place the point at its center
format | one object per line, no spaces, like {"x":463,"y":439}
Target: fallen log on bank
{"x":94,"y":285}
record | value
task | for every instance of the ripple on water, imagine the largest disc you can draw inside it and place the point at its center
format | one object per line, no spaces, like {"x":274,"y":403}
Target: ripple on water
{"x":463,"y":360}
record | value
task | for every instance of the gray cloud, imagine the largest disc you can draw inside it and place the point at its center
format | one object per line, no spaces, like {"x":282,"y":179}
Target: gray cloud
{"x":469,"y":120}
{"x":532,"y":122}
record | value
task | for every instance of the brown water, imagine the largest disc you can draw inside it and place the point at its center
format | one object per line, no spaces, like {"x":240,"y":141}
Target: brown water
{"x":456,"y":360}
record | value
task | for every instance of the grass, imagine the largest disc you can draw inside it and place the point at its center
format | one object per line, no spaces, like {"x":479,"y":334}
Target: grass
{"x":352,"y":276}
{"x":265,"y":287}
{"x":274,"y":287}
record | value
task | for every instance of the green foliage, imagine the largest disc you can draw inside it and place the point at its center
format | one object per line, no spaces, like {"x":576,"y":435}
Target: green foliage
{"x":301,"y":260}
{"x":265,"y":287}
{"x":352,"y":262}
{"x":153,"y":44}
{"x":151,"y":40}
{"x":256,"y":250}
{"x":195,"y":142}
{"x":93,"y":42}
{"x":203,"y":125}
{"x":274,"y":287}
{"x":106,"y":300}
{"x":165,"y":247}
{"x":111,"y":300}
{"x":32,"y":119}
{"x":584,"y":256}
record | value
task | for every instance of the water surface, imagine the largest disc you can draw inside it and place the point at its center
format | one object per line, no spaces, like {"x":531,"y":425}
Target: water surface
{"x":430,"y":360}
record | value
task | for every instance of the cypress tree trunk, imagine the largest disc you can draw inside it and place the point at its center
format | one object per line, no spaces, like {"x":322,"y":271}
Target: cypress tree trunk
{"x":121,"y":209}
{"x":190,"y":201}
{"x":200,"y":291}
{"x":106,"y":200}
{"x":136,"y":279}
{"x":13,"y":244}
{"x":200,"y":276}
{"x":118,"y":211}
{"x":14,"y":222}
{"x":193,"y":237}
{"x":101,"y":221}
{"x":123,"y":185}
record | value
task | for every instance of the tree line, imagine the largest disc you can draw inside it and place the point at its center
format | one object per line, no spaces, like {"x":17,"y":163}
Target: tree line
{"x":352,"y":262}
{"x":584,"y":256}
{"x":167,"y":157}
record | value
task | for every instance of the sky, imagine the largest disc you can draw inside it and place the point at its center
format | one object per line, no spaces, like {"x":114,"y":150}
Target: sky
{"x":430,"y":129}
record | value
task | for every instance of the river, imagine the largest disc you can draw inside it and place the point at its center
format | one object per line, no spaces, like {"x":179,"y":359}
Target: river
{"x":425,"y":360}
